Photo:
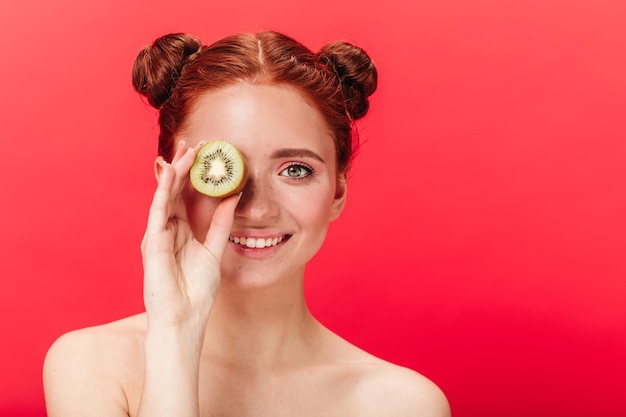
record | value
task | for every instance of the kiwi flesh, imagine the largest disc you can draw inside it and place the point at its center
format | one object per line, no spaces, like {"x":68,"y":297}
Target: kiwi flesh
{"x":219,"y":169}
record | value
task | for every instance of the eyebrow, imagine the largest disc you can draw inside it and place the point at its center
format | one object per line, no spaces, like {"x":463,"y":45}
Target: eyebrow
{"x":290,"y":153}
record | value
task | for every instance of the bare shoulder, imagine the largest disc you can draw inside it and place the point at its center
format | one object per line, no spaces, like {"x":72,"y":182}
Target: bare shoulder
{"x":103,"y":339}
{"x":85,"y":370}
{"x":380,"y":388}
{"x":392,"y":390}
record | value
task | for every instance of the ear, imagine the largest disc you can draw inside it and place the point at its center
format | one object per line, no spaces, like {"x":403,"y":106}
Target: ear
{"x":340,"y":197}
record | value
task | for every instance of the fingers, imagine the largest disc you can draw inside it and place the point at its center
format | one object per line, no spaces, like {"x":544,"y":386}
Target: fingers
{"x":171,"y":182}
{"x":221,"y":225}
{"x":160,"y":207}
{"x":182,"y":165}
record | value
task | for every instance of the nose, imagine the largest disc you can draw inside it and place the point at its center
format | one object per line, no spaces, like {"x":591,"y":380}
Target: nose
{"x":257,"y":200}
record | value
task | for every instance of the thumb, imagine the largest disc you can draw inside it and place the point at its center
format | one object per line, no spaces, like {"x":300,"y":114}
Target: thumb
{"x":221,"y":225}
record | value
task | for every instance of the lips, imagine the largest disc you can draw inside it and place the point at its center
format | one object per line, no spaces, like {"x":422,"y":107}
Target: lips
{"x":257,"y":242}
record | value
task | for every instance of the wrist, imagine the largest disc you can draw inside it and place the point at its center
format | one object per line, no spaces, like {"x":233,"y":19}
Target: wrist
{"x":171,"y":373}
{"x":179,"y":335}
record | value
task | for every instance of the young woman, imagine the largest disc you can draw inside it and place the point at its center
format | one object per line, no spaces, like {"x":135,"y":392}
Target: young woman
{"x":227,"y":331}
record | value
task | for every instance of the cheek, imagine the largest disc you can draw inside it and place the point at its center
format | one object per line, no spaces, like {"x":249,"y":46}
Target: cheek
{"x":314,"y":206}
{"x":313,"y":216}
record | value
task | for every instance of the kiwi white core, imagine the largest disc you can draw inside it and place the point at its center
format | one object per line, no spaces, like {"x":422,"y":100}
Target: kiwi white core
{"x":217,"y":169}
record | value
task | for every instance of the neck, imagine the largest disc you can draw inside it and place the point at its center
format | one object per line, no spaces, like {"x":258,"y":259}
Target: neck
{"x":260,"y":327}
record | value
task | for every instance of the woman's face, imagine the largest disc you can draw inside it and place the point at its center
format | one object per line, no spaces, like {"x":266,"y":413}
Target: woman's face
{"x":293,"y":190}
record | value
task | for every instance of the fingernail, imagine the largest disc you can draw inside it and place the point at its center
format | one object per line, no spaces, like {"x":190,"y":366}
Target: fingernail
{"x":181,"y":143}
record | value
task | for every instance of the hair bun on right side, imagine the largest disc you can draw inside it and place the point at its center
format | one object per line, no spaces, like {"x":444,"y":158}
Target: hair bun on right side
{"x":356,"y":72}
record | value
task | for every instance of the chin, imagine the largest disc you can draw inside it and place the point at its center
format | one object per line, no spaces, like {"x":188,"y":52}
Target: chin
{"x":250,"y":275}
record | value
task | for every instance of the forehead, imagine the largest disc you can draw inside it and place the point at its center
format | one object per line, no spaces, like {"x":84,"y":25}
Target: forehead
{"x":258,"y":115}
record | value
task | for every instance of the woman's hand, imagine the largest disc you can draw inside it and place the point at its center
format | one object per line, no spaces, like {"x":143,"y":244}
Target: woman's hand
{"x":181,"y":278}
{"x":181,"y":274}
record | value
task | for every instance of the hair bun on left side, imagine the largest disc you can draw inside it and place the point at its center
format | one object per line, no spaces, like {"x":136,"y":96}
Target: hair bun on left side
{"x":157,"y":67}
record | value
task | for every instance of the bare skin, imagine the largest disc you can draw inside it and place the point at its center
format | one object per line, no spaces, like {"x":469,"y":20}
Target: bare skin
{"x":227,"y":331}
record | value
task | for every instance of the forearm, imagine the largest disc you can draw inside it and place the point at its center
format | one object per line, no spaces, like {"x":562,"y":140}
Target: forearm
{"x":171,"y":374}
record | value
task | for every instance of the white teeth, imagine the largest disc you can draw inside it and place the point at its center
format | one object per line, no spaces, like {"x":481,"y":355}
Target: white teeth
{"x":258,"y":243}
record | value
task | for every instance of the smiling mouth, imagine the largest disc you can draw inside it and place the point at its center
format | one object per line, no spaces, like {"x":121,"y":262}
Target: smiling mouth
{"x":257,"y":243}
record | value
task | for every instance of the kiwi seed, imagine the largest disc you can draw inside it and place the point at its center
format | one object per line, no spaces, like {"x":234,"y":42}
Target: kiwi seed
{"x":219,"y":169}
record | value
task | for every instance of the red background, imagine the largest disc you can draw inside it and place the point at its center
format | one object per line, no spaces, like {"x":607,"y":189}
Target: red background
{"x":484,"y":239}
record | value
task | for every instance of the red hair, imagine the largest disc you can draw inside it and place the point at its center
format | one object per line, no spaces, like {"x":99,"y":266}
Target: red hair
{"x":176,"y":69}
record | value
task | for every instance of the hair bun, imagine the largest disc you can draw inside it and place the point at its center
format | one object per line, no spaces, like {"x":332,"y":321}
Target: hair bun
{"x":158,"y":66}
{"x":357,"y":74}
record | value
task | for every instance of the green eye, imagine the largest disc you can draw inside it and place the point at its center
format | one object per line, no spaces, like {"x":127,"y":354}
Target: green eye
{"x":296,"y":171}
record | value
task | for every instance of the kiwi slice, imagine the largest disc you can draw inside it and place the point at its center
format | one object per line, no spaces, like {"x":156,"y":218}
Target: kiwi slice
{"x":219,"y":169}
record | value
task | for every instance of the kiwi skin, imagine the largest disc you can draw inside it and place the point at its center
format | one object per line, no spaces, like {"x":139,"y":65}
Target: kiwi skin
{"x":218,"y":188}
